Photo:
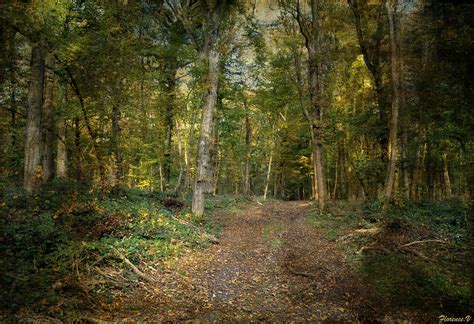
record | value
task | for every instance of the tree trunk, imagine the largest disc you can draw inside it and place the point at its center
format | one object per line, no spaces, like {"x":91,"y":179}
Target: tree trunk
{"x":312,"y":44}
{"x":180,"y":155}
{"x":187,"y":177}
{"x":267,"y":179}
{"x":77,"y":145}
{"x":446,"y":178}
{"x":33,"y":171}
{"x":393,"y":125}
{"x":48,"y":121}
{"x":61,"y":150}
{"x":117,"y":166}
{"x":341,"y":161}
{"x":169,"y":116}
{"x":248,"y":130}
{"x":203,"y":181}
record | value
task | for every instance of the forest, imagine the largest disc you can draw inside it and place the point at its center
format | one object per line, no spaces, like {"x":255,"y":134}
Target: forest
{"x":236,"y":160}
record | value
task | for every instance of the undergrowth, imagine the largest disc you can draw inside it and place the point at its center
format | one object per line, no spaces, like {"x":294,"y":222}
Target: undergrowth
{"x":59,"y":249}
{"x":433,"y":276}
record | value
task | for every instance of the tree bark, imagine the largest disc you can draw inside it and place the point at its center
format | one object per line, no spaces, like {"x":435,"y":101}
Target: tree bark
{"x":267,"y":179}
{"x":48,"y":121}
{"x":447,"y":180}
{"x":169,"y":116}
{"x":311,"y":33}
{"x":61,"y":149}
{"x":33,"y":170}
{"x":393,"y":125}
{"x":203,"y":182}
{"x":204,"y":173}
{"x":248,"y":131}
{"x":180,"y":155}
{"x":77,"y":152}
{"x":117,"y":167}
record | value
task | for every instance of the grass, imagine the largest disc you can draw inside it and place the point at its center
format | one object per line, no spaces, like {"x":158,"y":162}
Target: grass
{"x":272,"y":234}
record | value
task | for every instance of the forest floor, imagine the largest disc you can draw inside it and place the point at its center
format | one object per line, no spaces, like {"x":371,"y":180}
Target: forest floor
{"x":269,"y":265}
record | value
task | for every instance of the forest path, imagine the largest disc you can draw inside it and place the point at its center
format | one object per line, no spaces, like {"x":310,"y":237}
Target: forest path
{"x":270,"y":264}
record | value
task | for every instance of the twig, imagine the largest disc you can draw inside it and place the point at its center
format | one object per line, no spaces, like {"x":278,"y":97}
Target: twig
{"x":131,"y":265}
{"x":423,"y":241}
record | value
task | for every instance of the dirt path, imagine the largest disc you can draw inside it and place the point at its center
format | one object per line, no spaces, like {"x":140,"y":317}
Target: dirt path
{"x":269,"y":265}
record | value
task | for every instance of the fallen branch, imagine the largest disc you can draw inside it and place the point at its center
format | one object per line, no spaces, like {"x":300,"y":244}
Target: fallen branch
{"x":423,"y":241}
{"x":362,"y":231}
{"x":132,"y":266}
{"x":368,"y":231}
{"x":375,"y":248}
{"x":200,"y":231}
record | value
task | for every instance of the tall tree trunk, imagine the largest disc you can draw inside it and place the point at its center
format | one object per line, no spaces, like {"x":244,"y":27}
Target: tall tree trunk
{"x":393,"y":125}
{"x":203,"y":181}
{"x":33,"y":171}
{"x":267,"y":179}
{"x":187,"y":176}
{"x":446,"y":179}
{"x":48,"y":121}
{"x":117,"y":167}
{"x":181,"y":158}
{"x":77,"y":145}
{"x":61,"y":149}
{"x":341,"y":161}
{"x":248,"y":131}
{"x":311,"y":32}
{"x":169,"y":123}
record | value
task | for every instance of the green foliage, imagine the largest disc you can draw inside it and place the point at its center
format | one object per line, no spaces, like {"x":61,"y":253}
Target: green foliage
{"x":48,"y":238}
{"x":440,"y":283}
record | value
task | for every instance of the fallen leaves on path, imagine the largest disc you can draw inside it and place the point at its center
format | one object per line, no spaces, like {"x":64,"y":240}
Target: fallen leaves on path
{"x":255,"y":273}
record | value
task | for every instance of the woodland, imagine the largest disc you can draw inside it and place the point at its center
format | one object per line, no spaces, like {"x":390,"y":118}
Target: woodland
{"x":236,"y":160}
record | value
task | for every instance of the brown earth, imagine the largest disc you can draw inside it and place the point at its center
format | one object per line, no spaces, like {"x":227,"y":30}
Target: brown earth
{"x":270,"y":265}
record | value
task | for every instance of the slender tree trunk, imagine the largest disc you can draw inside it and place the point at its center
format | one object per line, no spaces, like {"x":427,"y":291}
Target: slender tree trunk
{"x":48,"y":121}
{"x":267,"y":179}
{"x":446,"y":178}
{"x":187,"y":177}
{"x":393,"y":126}
{"x":169,"y":116}
{"x":92,"y":134}
{"x":160,"y":169}
{"x":247,"y":151}
{"x":33,"y":171}
{"x":341,"y":166}
{"x":117,"y":167}
{"x":61,"y":149}
{"x":77,"y":144}
{"x":181,"y":158}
